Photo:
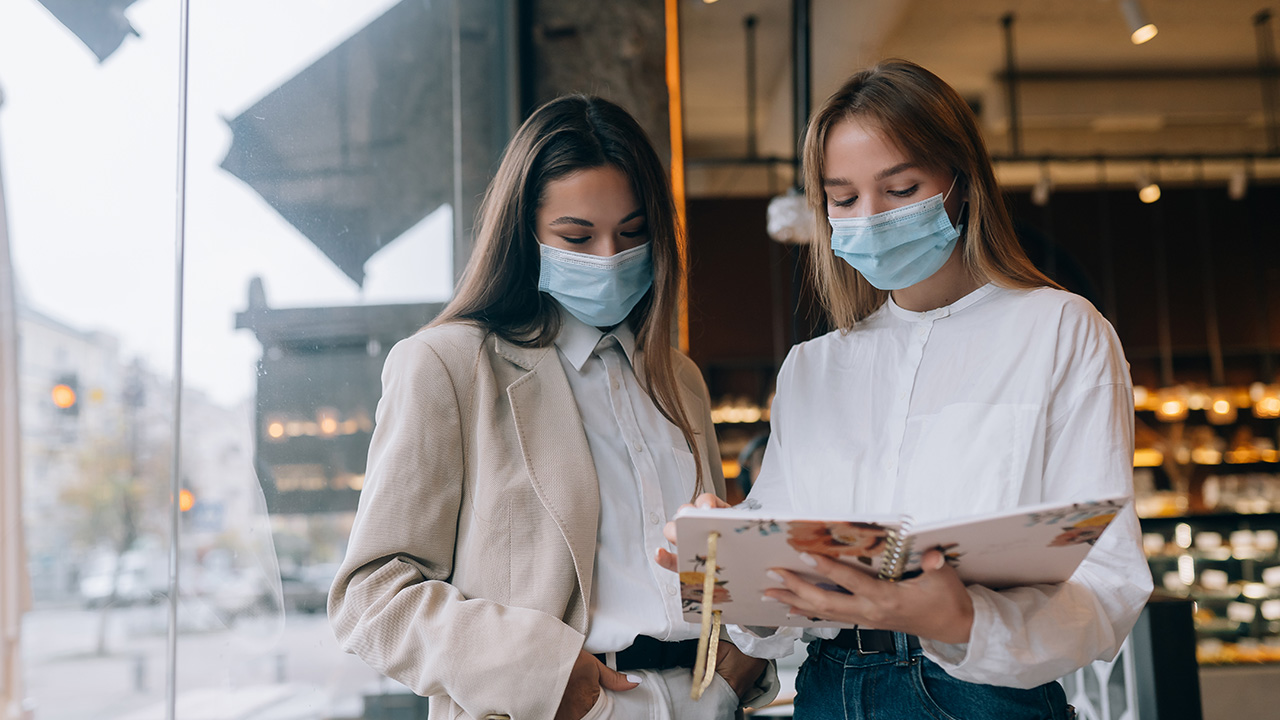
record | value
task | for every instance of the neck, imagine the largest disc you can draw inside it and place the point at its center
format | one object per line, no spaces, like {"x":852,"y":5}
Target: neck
{"x":952,"y":282}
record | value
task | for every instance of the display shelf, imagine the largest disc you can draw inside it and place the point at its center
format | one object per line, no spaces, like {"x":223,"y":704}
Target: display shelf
{"x":1229,"y":564}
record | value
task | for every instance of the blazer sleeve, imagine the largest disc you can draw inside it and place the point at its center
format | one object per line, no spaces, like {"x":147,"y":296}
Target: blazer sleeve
{"x":392,"y":603}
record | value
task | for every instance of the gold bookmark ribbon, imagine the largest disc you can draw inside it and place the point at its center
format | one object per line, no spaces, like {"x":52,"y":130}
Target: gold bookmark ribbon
{"x":704,"y":667}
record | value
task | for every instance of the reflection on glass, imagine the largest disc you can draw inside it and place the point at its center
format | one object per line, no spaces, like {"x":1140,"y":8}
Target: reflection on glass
{"x":322,"y":178}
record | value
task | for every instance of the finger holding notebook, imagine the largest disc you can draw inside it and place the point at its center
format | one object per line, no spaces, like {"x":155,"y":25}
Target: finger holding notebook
{"x":932,"y":605}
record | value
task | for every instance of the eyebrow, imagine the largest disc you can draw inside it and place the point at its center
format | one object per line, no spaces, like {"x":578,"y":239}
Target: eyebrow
{"x":900,"y":167}
{"x":570,"y":220}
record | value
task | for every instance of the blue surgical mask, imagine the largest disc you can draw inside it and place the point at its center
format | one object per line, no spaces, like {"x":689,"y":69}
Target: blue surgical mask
{"x":898,"y":248}
{"x":599,"y":291}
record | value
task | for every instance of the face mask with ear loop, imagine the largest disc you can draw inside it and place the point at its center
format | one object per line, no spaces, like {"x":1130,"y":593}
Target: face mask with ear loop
{"x":599,"y":291}
{"x":898,"y":248}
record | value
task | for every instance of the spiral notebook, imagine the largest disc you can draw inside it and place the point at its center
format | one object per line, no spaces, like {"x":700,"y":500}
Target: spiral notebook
{"x":1025,"y":546}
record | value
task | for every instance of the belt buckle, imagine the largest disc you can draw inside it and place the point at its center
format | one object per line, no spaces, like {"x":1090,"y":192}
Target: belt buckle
{"x":857,"y":634}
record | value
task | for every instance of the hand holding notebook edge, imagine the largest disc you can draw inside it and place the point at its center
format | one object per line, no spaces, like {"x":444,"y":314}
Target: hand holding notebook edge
{"x":1031,"y":545}
{"x":932,"y":605}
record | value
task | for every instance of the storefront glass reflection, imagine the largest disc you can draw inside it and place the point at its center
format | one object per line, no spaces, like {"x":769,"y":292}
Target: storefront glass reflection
{"x":334,"y":153}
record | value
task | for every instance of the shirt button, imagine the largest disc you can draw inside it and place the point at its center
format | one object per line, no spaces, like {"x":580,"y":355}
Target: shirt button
{"x":671,"y":589}
{"x":653,"y":518}
{"x":615,"y":385}
{"x":637,"y":447}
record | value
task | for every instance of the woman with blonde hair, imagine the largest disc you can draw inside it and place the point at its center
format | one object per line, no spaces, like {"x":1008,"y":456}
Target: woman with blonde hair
{"x":959,"y":381}
{"x":530,"y":444}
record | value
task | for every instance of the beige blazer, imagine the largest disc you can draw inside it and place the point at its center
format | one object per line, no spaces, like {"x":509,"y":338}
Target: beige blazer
{"x":468,"y":572}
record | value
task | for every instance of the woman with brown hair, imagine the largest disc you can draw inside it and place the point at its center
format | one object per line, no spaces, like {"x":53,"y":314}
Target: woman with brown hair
{"x":530,"y":444}
{"x":959,"y":381}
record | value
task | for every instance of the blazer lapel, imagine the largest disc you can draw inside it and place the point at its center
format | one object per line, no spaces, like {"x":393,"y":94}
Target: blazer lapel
{"x":556,"y":452}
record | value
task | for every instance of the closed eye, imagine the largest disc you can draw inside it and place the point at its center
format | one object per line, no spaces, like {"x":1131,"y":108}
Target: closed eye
{"x":639,"y":232}
{"x":843,"y":203}
{"x":575,"y":240}
{"x":908,"y":192}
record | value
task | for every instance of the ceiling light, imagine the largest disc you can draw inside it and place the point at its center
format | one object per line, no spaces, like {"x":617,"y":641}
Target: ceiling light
{"x":1148,"y":189}
{"x":1044,"y":186}
{"x":1140,"y":28}
{"x":1238,"y":184}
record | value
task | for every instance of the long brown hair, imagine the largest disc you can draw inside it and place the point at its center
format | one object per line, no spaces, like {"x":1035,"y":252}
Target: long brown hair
{"x":934,"y":127}
{"x":499,"y":287}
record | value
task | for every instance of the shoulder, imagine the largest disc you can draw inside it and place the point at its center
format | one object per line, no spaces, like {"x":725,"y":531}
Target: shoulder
{"x":826,"y":348}
{"x":1085,"y":345}
{"x":1047,"y":302}
{"x":453,"y":345}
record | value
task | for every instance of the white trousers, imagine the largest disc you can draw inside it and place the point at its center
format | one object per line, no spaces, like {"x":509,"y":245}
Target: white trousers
{"x":664,"y":695}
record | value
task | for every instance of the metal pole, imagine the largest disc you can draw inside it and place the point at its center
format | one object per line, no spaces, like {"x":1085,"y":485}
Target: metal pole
{"x":1267,"y":74}
{"x":1011,"y":87}
{"x":175,"y":467}
{"x":1217,"y":374}
{"x":14,"y":591}
{"x":1163,"y":328}
{"x":749,"y":26}
{"x":801,"y":93}
{"x":1104,"y":241}
{"x":460,"y":222}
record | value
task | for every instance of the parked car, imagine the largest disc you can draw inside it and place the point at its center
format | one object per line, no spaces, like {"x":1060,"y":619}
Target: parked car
{"x":138,"y":578}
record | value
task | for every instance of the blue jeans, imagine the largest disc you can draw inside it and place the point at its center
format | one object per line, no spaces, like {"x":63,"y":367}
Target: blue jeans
{"x":838,"y":684}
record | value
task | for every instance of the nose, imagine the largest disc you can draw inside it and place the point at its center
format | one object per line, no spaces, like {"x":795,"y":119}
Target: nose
{"x":608,"y":246}
{"x":870,"y":206}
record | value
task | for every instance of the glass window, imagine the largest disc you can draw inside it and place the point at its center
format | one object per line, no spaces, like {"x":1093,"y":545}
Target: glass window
{"x":335,"y":153}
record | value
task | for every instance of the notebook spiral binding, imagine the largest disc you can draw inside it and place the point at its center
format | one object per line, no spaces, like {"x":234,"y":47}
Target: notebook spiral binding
{"x":897,"y":552}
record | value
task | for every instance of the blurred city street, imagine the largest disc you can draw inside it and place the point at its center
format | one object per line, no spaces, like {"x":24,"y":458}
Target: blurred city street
{"x":231,"y":673}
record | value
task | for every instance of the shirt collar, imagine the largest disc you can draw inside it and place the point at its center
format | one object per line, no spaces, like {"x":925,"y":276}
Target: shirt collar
{"x":944,"y":311}
{"x":577,"y":340}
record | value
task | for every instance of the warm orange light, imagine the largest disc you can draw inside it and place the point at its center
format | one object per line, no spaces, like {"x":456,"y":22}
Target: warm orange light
{"x":1267,"y":407}
{"x":1143,"y":34}
{"x":186,"y":500}
{"x":275,"y":430}
{"x":675,"y":116}
{"x":63,"y":396}
{"x":328,"y":425}
{"x":1221,"y":407}
{"x":1147,"y":457}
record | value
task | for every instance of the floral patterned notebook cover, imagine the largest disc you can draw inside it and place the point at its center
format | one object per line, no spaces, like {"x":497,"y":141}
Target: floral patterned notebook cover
{"x":1025,"y":546}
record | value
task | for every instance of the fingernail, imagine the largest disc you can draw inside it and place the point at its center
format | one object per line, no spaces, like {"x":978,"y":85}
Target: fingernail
{"x":768,"y":598}
{"x":633,"y":678}
{"x":774,"y":576}
{"x":808,"y":559}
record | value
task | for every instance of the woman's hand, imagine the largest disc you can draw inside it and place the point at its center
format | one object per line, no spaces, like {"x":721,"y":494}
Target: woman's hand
{"x":737,"y":668}
{"x":586,"y":680}
{"x":706,"y":500}
{"x":933,"y":605}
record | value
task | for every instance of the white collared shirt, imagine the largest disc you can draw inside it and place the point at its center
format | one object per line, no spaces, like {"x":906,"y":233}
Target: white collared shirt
{"x":645,"y":471}
{"x":1002,"y":399}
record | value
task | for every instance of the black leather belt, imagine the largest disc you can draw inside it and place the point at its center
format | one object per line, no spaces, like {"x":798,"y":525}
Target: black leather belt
{"x":870,"y":642}
{"x":647,"y":653}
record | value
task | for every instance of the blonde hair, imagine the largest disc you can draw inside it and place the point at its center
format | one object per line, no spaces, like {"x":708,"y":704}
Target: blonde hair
{"x":499,"y":287}
{"x":934,"y":127}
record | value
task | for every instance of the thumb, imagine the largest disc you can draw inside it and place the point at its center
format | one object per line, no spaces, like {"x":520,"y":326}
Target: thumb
{"x":933,"y":561}
{"x":667,"y":560}
{"x":611,"y":679}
